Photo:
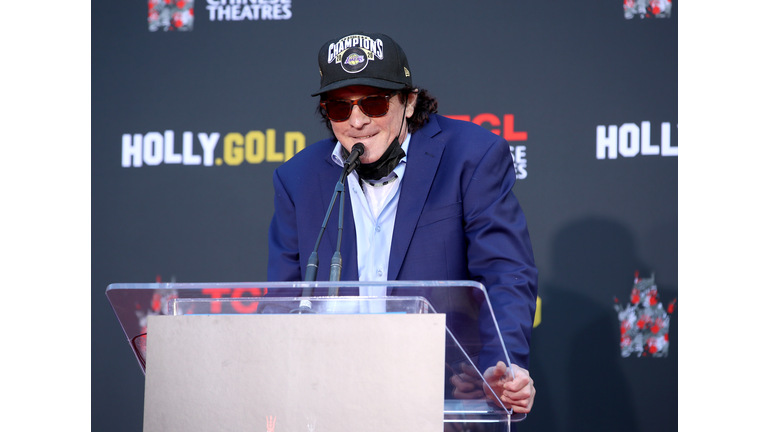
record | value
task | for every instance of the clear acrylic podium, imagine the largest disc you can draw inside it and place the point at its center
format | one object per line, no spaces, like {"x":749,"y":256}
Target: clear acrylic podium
{"x":473,"y":342}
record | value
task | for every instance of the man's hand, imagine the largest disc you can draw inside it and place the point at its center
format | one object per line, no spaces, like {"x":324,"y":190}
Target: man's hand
{"x":517,"y":393}
{"x":467,"y":384}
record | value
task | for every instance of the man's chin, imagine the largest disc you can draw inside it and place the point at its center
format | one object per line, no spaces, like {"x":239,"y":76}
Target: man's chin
{"x":369,"y":157}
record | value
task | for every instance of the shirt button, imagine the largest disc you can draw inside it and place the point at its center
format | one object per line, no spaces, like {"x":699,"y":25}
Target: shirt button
{"x":378,"y":229}
{"x":379,"y":273}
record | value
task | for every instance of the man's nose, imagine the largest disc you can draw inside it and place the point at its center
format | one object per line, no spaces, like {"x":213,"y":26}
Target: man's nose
{"x":358,"y":118}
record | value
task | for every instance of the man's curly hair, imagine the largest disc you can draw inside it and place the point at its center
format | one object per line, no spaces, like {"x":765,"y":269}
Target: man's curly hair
{"x":426,"y":104}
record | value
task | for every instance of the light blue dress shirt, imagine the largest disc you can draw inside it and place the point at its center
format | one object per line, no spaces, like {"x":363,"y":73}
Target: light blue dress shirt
{"x":374,"y":232}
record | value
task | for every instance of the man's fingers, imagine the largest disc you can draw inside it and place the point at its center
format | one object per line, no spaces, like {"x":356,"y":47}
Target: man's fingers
{"x":476,"y":394}
{"x":466,"y":387}
{"x":518,"y":384}
{"x":522,"y":395}
{"x":469,"y":370}
{"x":518,"y":405}
{"x":516,"y":393}
{"x":522,"y":400}
{"x":493,"y":373}
{"x":476,"y":382}
{"x":517,"y":371}
{"x":500,"y":369}
{"x":462,"y":385}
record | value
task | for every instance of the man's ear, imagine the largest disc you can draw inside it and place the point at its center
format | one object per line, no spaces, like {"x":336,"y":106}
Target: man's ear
{"x":411,"y":105}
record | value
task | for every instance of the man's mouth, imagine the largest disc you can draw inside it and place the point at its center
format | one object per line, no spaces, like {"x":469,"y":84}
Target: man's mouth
{"x":364,"y":137}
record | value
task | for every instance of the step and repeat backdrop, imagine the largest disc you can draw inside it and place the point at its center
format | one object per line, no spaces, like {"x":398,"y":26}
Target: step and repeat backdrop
{"x":196,"y":102}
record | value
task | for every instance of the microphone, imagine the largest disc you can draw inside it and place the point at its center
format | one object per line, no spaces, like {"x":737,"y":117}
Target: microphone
{"x":353,"y":161}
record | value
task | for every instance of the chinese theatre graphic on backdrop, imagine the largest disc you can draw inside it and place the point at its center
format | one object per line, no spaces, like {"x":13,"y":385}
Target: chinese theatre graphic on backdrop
{"x":644,"y":321}
{"x":647,"y":9}
{"x":171,"y":15}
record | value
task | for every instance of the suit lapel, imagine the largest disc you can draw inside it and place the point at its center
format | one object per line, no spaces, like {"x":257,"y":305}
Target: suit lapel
{"x":424,"y":153}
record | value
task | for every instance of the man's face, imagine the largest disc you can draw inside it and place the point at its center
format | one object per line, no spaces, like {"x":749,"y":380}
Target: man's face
{"x":376,"y":133}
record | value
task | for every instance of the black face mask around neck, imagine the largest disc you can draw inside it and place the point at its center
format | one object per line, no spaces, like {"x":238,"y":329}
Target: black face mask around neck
{"x":382,"y":167}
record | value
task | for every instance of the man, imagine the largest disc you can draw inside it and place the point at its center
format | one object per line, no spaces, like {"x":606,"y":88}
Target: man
{"x":431,"y":200}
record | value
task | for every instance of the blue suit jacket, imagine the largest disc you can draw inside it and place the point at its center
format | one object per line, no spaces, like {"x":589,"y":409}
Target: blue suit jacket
{"x":457,"y":219}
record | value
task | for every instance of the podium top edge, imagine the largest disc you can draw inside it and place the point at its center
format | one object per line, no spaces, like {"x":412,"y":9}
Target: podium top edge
{"x":278,"y":285}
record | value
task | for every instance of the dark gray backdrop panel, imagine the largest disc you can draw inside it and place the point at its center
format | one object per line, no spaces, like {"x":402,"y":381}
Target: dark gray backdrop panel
{"x":561,"y":68}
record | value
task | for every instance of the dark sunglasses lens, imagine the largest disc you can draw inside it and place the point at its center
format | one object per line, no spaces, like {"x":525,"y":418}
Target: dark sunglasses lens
{"x":372,"y":106}
{"x":338,"y":110}
{"x":375,"y":106}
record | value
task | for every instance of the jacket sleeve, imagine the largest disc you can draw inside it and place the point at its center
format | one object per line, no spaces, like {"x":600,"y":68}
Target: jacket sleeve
{"x":284,"y":262}
{"x":500,"y":256}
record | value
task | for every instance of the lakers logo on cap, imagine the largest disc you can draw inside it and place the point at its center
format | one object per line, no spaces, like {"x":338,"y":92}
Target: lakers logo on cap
{"x":354,"y":60}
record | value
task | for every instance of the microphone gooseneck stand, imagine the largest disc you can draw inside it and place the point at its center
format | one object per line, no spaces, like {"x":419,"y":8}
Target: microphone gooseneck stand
{"x":305,"y":306}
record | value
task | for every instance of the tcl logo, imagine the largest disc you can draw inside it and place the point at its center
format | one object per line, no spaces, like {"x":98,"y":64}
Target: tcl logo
{"x":496,"y":125}
{"x":503,"y":127}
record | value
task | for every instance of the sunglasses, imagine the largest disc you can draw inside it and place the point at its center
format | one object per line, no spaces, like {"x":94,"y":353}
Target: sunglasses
{"x":372,"y":106}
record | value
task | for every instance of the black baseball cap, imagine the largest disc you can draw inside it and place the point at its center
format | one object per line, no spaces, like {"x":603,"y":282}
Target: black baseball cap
{"x":361,"y":58}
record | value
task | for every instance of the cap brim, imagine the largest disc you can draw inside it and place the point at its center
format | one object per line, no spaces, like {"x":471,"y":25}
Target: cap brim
{"x":363,"y":81}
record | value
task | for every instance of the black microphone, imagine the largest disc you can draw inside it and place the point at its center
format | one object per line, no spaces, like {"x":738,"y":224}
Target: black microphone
{"x":353,"y":161}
